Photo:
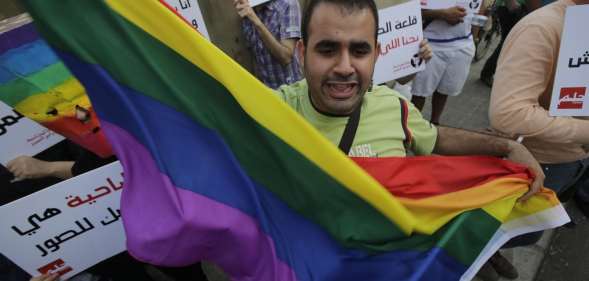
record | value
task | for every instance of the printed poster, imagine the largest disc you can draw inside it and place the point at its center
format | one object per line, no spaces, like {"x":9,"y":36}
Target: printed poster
{"x":471,"y":6}
{"x":68,"y":227}
{"x":569,"y":93}
{"x":20,"y":135}
{"x":399,"y":34}
{"x":190,"y":11}
{"x":254,"y":3}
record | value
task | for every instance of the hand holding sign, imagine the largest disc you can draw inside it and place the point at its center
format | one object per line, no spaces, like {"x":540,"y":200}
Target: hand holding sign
{"x":425,"y":50}
{"x":400,"y":36}
{"x":68,"y":227}
{"x":453,"y":15}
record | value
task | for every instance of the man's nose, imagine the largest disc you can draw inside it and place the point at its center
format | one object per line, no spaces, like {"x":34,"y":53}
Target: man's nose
{"x":344,"y":65}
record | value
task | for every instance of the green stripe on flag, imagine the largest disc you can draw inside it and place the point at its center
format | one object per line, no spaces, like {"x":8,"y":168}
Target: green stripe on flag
{"x":42,"y":81}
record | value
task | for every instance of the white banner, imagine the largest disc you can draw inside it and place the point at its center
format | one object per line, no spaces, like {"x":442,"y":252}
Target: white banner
{"x":471,"y":6}
{"x":399,"y":34}
{"x":68,"y":227}
{"x":22,"y":136}
{"x":254,"y":3}
{"x":569,"y":94}
{"x":190,"y":11}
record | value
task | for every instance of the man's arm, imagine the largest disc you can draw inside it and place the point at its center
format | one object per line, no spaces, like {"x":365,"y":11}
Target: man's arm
{"x":523,"y":74}
{"x":282,"y":50}
{"x":454,"y":15}
{"x":453,"y":141}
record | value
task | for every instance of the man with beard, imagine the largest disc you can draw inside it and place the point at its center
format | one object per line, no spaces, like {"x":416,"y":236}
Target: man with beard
{"x":338,"y":52}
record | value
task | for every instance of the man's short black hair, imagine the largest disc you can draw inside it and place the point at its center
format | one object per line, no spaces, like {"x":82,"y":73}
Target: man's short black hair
{"x":348,"y":5}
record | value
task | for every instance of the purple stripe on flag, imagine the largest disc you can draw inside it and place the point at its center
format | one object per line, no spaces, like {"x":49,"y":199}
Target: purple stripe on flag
{"x":174,"y":225}
{"x":18,"y":37}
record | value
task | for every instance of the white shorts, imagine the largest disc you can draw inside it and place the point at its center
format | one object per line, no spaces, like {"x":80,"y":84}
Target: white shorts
{"x":446,"y":72}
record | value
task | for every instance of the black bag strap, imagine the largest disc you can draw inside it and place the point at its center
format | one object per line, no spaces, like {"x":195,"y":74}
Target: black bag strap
{"x":345,"y":144}
{"x":404,"y":123}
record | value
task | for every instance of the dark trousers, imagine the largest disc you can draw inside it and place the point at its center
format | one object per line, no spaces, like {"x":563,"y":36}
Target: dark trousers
{"x":507,"y":20}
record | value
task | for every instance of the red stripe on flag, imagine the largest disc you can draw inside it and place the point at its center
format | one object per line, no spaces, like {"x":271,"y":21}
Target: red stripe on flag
{"x":422,"y":177}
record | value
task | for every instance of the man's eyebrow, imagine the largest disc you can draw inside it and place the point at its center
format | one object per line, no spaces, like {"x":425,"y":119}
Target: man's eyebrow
{"x":326,"y":44}
{"x":360,"y":45}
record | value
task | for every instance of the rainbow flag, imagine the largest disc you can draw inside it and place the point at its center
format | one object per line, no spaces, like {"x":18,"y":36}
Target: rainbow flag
{"x":218,"y":168}
{"x":38,"y":85}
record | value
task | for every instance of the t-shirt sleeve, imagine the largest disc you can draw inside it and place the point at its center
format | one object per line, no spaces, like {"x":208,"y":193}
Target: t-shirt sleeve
{"x":421,"y":133}
{"x":290,"y":22}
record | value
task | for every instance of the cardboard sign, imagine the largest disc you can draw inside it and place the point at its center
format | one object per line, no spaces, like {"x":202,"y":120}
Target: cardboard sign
{"x":20,"y":135}
{"x":569,"y":94}
{"x":190,"y":11}
{"x":68,"y":227}
{"x":254,"y":3}
{"x":471,"y":6}
{"x":399,"y":34}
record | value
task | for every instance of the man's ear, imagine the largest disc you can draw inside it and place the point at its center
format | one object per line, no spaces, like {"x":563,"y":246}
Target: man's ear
{"x":300,"y":49}
{"x":377,"y":50}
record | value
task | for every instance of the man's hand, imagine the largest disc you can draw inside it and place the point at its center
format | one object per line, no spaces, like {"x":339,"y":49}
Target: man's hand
{"x":519,"y":154}
{"x":425,"y":50}
{"x":244,"y":10}
{"x":454,"y":15}
{"x":25,"y":167}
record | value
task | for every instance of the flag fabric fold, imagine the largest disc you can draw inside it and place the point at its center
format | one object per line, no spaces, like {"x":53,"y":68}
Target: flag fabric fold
{"x":218,"y":168}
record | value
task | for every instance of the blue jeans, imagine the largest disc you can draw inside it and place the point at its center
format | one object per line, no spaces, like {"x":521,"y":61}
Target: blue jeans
{"x":567,"y":180}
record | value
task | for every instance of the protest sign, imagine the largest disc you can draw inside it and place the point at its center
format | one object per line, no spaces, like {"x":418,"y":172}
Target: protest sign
{"x":20,"y":135}
{"x":254,"y":3}
{"x":399,"y":35}
{"x":190,"y":11}
{"x":569,"y":93}
{"x":68,"y":227}
{"x":471,"y":6}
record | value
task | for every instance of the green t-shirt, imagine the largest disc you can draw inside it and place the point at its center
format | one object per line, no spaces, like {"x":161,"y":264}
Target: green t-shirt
{"x":380,"y":131}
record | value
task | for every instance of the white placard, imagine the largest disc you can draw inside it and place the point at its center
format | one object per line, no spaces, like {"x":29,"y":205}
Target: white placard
{"x":190,"y":11}
{"x":22,"y":136}
{"x":471,"y":6}
{"x":569,"y":94}
{"x":254,"y":3}
{"x":399,"y":34}
{"x":68,"y":227}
